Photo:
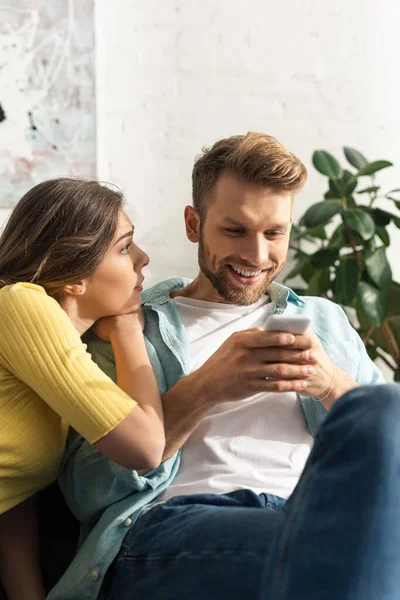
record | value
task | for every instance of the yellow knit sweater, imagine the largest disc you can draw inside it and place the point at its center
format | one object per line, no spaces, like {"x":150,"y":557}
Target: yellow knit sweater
{"x":47,"y":382}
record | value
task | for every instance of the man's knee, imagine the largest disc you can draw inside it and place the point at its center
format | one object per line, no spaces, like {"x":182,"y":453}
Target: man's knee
{"x":372,"y":413}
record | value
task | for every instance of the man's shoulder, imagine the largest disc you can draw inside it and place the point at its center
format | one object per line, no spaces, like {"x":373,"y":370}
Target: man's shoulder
{"x":160,"y":292}
{"x":324,"y":312}
{"x":321,"y":303}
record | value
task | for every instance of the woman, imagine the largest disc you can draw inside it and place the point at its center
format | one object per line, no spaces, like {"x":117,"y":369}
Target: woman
{"x":67,"y":259}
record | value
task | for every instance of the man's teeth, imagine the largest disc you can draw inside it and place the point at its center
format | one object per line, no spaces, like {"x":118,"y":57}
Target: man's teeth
{"x":245,"y":273}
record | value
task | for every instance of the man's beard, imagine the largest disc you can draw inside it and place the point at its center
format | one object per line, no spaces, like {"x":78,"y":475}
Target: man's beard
{"x":241,"y":295}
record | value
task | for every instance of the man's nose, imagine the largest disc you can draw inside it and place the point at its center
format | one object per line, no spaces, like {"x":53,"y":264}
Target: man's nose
{"x":256,"y":252}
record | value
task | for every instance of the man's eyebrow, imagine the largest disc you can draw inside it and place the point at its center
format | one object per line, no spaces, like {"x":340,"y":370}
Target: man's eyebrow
{"x":125,"y":235}
{"x":233,"y":222}
{"x":229,"y":220}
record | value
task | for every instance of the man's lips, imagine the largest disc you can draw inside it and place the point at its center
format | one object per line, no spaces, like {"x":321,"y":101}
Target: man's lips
{"x":245,"y":279}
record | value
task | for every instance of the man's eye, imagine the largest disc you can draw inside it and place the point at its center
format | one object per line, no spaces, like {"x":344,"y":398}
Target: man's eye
{"x":273,"y":233}
{"x":125,"y":249}
{"x":234,"y":231}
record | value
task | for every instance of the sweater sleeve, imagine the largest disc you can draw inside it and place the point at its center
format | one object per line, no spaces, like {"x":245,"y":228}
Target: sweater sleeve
{"x":41,"y":348}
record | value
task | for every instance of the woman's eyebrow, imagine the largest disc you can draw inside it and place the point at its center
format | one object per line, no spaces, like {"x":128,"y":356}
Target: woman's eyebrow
{"x":125,"y":235}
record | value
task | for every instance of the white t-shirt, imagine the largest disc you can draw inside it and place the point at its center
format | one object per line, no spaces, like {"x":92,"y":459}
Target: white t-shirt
{"x":260,"y":443}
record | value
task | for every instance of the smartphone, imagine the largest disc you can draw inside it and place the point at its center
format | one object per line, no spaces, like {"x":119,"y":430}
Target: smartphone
{"x":295,"y":324}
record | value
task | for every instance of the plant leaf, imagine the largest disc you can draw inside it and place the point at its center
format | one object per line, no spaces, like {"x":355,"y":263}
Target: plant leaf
{"x":396,"y":221}
{"x":327,"y":164}
{"x":321,"y":213}
{"x":370,"y":190}
{"x":338,"y":238}
{"x":346,"y":282}
{"x":373,"y":302}
{"x":297,"y":268}
{"x":354,"y":157}
{"x":318,"y":232}
{"x":372,"y":353}
{"x":381,"y":217}
{"x":378,"y":268}
{"x":393,"y":300}
{"x":384,"y":235}
{"x":360,"y":221}
{"x":393,"y":195}
{"x":324,"y":258}
{"x":373,"y":167}
{"x":319,"y":283}
{"x":344,"y":186}
{"x":334,"y":191}
{"x":349,"y":182}
{"x":307,"y":272}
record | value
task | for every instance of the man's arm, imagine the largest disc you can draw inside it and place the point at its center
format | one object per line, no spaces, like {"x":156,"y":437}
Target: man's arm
{"x":247,"y":363}
{"x":185,"y":406}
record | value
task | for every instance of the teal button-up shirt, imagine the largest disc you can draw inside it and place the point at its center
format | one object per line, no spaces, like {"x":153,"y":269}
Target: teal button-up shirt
{"x":108,"y":498}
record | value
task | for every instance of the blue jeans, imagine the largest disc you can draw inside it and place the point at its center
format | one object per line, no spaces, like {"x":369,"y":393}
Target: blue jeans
{"x":336,"y":538}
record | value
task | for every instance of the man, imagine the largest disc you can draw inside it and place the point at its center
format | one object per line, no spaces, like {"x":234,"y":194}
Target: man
{"x":245,"y":406}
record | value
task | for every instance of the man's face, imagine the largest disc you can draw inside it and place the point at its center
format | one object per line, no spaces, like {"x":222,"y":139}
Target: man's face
{"x":243,"y":240}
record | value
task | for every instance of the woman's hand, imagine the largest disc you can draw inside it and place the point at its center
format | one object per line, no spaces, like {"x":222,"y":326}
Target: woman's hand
{"x":106,"y":327}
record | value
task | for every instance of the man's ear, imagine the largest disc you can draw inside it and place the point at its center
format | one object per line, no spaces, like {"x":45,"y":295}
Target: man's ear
{"x":75,"y":289}
{"x":192,"y":224}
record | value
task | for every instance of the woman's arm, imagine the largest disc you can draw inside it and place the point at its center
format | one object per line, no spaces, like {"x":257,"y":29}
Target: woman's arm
{"x":40,"y":347}
{"x":19,"y":553}
{"x":135,"y":377}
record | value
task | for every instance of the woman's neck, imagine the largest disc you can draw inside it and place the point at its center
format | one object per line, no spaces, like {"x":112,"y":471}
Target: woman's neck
{"x":81,"y":322}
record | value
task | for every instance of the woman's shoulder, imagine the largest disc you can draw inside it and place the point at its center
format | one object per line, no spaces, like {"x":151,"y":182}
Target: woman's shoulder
{"x":22,"y":295}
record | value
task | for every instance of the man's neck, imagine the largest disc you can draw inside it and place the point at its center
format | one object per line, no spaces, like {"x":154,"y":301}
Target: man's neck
{"x":200,"y":288}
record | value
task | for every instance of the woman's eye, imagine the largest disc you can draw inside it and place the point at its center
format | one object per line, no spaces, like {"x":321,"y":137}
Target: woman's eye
{"x":125,"y":249}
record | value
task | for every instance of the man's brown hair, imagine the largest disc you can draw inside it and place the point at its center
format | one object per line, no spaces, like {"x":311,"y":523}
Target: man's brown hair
{"x":257,"y":157}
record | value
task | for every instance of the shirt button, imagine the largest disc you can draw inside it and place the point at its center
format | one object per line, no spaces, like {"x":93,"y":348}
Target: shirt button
{"x":94,"y":575}
{"x":128,"y":522}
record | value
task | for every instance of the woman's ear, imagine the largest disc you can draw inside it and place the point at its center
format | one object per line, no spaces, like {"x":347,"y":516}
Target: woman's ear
{"x":192,"y":224}
{"x":75,"y":289}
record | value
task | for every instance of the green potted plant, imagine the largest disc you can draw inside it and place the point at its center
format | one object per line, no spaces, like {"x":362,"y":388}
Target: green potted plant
{"x":339,"y":249}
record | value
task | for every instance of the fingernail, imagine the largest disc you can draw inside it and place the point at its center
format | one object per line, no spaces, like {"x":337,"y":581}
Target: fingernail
{"x":289,"y":339}
{"x":313,"y":356}
{"x":302,"y":385}
{"x":309,"y":369}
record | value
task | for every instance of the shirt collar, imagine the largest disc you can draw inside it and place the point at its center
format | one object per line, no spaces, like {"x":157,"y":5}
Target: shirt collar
{"x":160,"y":293}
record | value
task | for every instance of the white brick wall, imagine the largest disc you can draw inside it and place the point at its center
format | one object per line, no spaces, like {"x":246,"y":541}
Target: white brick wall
{"x":174,"y":75}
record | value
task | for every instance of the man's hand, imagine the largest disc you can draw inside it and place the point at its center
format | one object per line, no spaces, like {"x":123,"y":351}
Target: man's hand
{"x":326,"y":381}
{"x":106,"y":327}
{"x":262,"y":361}
{"x":249,"y":362}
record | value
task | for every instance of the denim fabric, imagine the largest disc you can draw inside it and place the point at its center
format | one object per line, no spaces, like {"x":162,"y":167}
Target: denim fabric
{"x":336,"y":538}
{"x":105,"y":496}
{"x":198,"y":535}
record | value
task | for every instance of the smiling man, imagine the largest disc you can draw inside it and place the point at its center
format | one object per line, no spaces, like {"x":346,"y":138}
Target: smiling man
{"x":242,"y":229}
{"x":273,"y":485}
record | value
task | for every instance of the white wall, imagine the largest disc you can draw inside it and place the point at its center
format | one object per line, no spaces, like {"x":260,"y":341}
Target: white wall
{"x":174,"y":75}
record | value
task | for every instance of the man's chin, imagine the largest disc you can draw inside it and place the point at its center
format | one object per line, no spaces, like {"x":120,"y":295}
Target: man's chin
{"x":241,"y":294}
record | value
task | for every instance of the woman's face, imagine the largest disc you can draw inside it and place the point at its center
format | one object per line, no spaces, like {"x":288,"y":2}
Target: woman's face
{"x":115,"y":287}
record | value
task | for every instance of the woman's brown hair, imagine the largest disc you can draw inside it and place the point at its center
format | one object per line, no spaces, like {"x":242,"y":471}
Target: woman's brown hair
{"x":58,"y":233}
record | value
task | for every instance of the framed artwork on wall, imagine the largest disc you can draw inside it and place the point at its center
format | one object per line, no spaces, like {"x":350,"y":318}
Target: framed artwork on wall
{"x":47,"y":93}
